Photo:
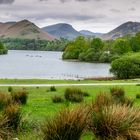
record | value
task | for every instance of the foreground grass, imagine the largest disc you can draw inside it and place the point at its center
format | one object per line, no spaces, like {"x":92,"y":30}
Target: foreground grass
{"x":40,"y":105}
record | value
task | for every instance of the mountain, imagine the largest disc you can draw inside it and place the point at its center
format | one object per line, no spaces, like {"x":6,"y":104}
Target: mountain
{"x":127,"y":28}
{"x":4,"y":27}
{"x":23,"y":30}
{"x":89,"y":33}
{"x":62,"y":30}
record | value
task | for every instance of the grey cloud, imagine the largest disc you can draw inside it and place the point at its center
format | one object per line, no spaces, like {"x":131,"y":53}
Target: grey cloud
{"x":115,"y":10}
{"x":63,"y":1}
{"x":132,"y":9}
{"x":6,"y":1}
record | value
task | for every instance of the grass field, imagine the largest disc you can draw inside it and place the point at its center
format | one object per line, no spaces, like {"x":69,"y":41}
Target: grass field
{"x":40,"y":106}
{"x":45,"y":81}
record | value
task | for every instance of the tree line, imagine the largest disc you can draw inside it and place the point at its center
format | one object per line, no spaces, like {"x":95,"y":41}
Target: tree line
{"x":123,"y":53}
{"x":97,"y":50}
{"x":32,"y":44}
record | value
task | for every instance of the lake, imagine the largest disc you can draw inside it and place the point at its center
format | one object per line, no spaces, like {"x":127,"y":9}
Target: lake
{"x":42,"y":65}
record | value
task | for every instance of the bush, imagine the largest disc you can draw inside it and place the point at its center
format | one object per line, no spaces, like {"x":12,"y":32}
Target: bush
{"x":116,"y":122}
{"x":138,"y":96}
{"x":10,"y":89}
{"x":52,"y":88}
{"x":20,"y":96}
{"x":13,"y":114}
{"x":4,"y":99}
{"x":127,"y":66}
{"x":67,"y":125}
{"x":73,"y":95}
{"x":57,"y":99}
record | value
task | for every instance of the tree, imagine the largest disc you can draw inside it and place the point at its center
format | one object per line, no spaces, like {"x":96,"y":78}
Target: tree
{"x":135,"y":42}
{"x":75,"y":48}
{"x":3,"y":49}
{"x":121,"y":46}
{"x":97,"y":44}
{"x":127,"y":66}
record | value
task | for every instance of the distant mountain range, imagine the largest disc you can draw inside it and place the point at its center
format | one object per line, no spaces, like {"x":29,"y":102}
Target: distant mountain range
{"x":127,"y":28}
{"x":27,"y":30}
{"x":23,"y":30}
{"x":90,"y":34}
{"x":62,"y":30}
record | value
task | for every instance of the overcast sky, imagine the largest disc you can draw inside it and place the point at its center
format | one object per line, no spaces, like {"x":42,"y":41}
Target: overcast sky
{"x":94,"y":15}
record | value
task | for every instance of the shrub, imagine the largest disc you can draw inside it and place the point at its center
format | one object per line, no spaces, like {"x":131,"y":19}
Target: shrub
{"x":57,"y":99}
{"x":13,"y":114}
{"x":138,"y":96}
{"x":116,"y":122}
{"x":10,"y":89}
{"x":4,"y":98}
{"x":67,"y":125}
{"x":20,"y":96}
{"x":73,"y":95}
{"x":52,"y":88}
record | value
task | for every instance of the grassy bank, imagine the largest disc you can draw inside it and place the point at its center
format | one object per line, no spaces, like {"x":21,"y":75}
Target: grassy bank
{"x":40,"y":105}
{"x":45,"y":81}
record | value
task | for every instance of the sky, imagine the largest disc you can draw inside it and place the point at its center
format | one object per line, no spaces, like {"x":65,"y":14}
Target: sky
{"x":94,"y":15}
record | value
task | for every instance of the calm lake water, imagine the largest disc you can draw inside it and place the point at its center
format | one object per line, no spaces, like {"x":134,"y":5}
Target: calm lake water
{"x":39,"y":64}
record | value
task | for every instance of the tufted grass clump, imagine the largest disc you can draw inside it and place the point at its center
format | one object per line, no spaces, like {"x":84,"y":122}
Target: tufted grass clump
{"x":13,"y":113}
{"x":20,"y":96}
{"x":4,"y":100}
{"x":67,"y":125}
{"x":5,"y":131}
{"x":115,"y":122}
{"x":10,"y":89}
{"x":138,"y":96}
{"x":102,"y":100}
{"x":74,"y":95}
{"x":118,"y":96}
{"x":57,"y":99}
{"x":117,"y":92}
{"x":52,"y":88}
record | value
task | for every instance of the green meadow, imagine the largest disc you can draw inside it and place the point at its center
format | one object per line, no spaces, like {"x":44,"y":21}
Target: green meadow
{"x":40,"y":107}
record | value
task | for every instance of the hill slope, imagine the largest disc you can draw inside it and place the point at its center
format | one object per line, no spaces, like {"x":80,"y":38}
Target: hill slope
{"x":89,"y":33}
{"x":124,"y":29}
{"x":4,"y":27}
{"x":24,"y":30}
{"x":62,"y":30}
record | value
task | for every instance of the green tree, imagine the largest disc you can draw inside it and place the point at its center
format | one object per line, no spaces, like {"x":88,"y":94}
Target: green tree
{"x":97,"y":44}
{"x":3,"y":49}
{"x":121,"y":46}
{"x":127,"y":66}
{"x":135,"y":43}
{"x":73,"y":49}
